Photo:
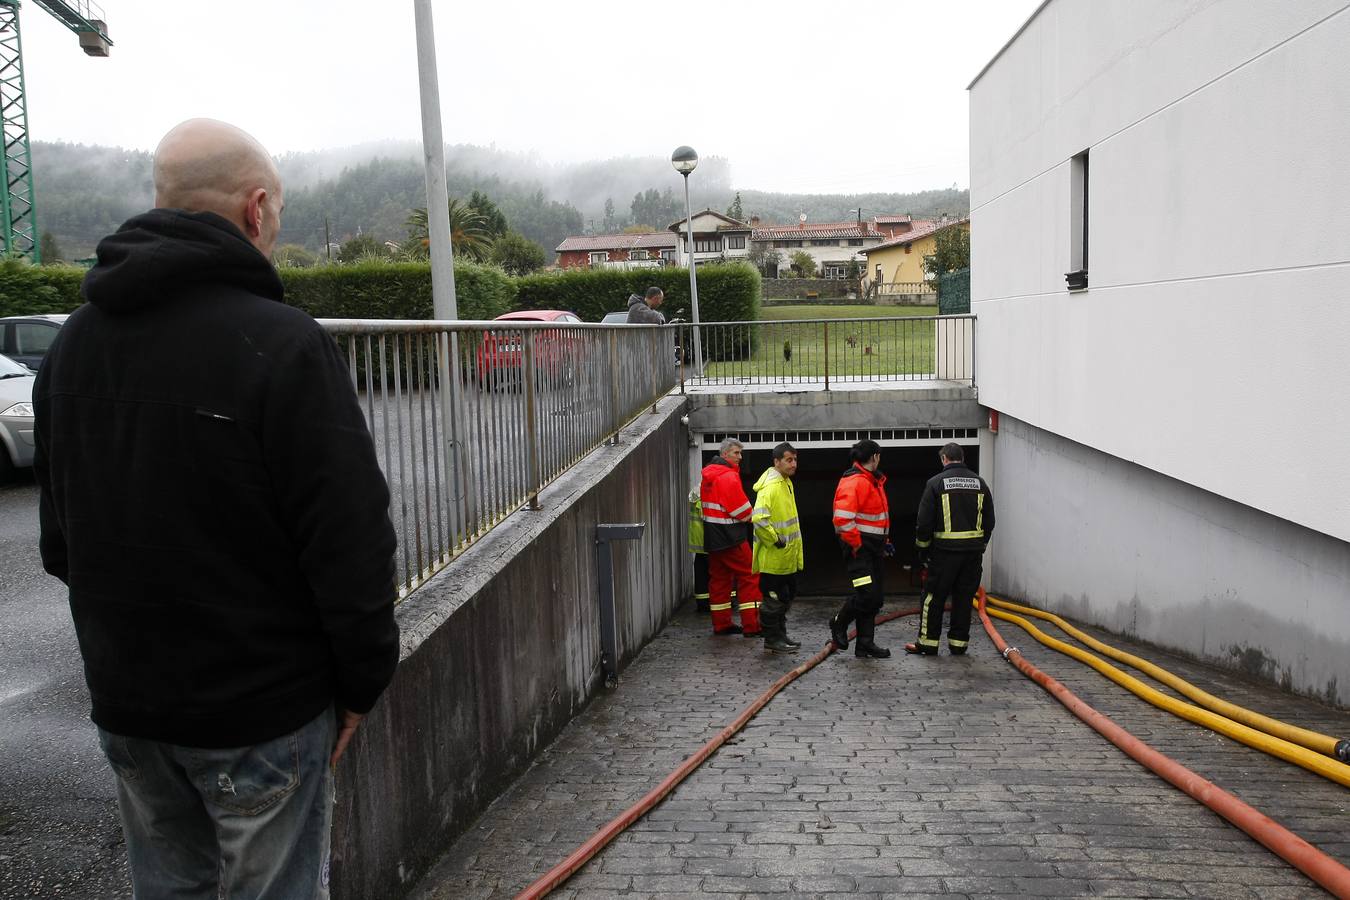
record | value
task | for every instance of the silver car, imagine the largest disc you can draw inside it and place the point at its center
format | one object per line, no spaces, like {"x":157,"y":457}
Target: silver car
{"x":16,"y":417}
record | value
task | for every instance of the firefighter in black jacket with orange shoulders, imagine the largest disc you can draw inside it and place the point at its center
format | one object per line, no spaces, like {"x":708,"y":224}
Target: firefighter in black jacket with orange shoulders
{"x":956,"y":517}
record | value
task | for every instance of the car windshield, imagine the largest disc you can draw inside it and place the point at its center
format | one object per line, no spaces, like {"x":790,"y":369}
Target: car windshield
{"x":10,"y":369}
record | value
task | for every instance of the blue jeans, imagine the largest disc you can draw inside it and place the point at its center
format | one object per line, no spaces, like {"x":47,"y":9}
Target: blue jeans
{"x":249,"y":822}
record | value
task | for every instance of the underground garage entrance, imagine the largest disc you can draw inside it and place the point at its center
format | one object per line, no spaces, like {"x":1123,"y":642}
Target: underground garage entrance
{"x":909,"y":458}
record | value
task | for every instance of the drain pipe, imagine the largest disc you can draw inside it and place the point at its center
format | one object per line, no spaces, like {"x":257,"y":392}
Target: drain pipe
{"x":609,"y":620}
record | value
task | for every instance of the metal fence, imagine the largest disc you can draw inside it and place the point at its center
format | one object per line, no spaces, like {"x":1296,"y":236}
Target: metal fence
{"x":833,"y":351}
{"x":472,"y":419}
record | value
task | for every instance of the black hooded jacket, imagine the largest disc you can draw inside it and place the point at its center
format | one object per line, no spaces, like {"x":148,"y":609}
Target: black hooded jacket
{"x":210,"y":493}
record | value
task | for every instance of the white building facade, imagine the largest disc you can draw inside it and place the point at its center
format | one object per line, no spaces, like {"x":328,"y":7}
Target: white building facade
{"x":1161,"y":270}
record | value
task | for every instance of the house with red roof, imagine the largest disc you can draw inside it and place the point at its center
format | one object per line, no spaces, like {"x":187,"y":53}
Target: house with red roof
{"x":646,"y":250}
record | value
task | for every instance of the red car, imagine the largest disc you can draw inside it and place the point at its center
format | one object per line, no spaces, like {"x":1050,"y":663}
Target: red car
{"x":501,"y":354}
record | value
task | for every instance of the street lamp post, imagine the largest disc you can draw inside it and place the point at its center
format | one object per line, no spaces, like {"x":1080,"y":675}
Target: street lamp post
{"x":684,"y":159}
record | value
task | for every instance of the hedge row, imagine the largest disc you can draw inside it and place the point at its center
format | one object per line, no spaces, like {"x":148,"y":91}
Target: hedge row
{"x":726,"y":292}
{"x":31,"y":290}
{"x":393,"y":290}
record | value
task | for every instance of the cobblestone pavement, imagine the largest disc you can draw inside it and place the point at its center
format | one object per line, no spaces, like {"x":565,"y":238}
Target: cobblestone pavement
{"x":913,"y":777}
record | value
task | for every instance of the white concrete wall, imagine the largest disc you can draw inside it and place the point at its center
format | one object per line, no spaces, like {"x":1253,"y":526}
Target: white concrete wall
{"x":1109,"y":543}
{"x":1211,"y":343}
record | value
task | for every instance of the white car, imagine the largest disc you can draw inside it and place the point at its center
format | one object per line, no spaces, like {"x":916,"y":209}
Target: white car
{"x":16,"y":417}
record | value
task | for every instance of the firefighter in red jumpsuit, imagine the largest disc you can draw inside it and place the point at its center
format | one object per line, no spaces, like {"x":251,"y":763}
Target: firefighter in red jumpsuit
{"x":726,"y":538}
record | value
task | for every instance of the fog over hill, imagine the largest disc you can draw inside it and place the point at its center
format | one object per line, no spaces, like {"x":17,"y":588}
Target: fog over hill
{"x":85,"y":191}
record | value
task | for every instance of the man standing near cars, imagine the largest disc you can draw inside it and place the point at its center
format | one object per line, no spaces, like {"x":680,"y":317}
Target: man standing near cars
{"x":862,"y":522}
{"x":779,"y":552}
{"x":726,"y":536}
{"x":956,"y":518}
{"x":210,"y":494}
{"x":642,"y":310}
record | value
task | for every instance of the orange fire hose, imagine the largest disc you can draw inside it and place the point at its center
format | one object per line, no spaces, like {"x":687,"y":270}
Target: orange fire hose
{"x":1309,"y":860}
{"x":597,"y":842}
{"x":1293,"y":849}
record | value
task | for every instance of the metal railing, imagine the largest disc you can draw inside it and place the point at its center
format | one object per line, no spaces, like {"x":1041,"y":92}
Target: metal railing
{"x":889,"y":288}
{"x":471,"y":420}
{"x":833,"y":351}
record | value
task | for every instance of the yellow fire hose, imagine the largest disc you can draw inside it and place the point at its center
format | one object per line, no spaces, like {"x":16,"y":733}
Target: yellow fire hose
{"x":1275,"y":746}
{"x":1313,"y":740}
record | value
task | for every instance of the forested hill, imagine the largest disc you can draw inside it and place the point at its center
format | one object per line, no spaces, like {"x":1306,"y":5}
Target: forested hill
{"x":84,"y":192}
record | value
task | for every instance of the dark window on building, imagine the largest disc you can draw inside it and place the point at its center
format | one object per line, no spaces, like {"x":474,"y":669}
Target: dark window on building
{"x":736,"y":242}
{"x":707,"y":245}
{"x":1077,"y":276}
{"x":793,"y":243}
{"x":822,"y":243}
{"x":855,"y":242}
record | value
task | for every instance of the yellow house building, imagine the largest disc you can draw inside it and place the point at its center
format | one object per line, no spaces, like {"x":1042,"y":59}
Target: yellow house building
{"x":896,"y":266}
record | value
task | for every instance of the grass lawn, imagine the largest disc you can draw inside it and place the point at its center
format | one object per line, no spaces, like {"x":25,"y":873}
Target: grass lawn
{"x":889,"y":348}
{"x":818,"y":311}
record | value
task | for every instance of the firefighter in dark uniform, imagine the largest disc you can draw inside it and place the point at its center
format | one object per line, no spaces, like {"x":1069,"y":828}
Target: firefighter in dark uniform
{"x":862,"y":522}
{"x":956,"y":517}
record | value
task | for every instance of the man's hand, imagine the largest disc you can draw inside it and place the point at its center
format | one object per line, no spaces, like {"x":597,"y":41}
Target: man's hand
{"x":347,"y":722}
{"x":780,"y":543}
{"x":889,"y":549}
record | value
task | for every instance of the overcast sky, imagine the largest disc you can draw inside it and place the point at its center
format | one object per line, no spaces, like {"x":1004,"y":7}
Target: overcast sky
{"x":827,"y":96}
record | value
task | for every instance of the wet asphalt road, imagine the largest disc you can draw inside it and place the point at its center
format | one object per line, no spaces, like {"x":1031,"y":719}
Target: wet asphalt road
{"x":59,"y":833}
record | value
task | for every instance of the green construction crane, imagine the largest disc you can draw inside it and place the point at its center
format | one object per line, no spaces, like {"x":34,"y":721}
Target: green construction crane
{"x":19,"y":206}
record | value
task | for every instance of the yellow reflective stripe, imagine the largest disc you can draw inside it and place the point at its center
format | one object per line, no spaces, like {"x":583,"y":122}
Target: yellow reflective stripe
{"x":695,"y":548}
{"x":928,"y":642}
{"x":785,"y":524}
{"x":952,"y":642}
{"x":718,"y":520}
{"x":790,"y":535}
{"x":715,"y":506}
{"x":750,"y":604}
{"x":842,"y":528}
{"x":923,"y":620}
{"x":979,"y":514}
{"x":761,"y":510}
{"x":719,"y":606}
{"x":958,"y":535}
{"x":740,"y":509}
{"x":919,"y":543}
{"x":873,"y":517}
{"x":733,"y":595}
{"x":859,"y":582}
{"x":845,"y":514}
{"x":946,"y":512}
{"x":702,"y":596}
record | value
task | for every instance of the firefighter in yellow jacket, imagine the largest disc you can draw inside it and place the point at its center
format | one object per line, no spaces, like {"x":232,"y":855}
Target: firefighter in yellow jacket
{"x":696,"y":548}
{"x":779,"y":552}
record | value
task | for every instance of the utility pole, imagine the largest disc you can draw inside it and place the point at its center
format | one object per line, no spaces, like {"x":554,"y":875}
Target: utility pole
{"x":433,"y":153}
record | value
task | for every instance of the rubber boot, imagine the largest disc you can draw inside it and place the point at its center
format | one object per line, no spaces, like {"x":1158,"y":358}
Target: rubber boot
{"x":866,"y":647}
{"x":839,"y":626}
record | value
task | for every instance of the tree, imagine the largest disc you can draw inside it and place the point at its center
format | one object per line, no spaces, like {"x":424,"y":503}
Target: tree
{"x":765,"y":258}
{"x":363,"y":246}
{"x":735,"y":210}
{"x":295,"y":256}
{"x":517,"y":254}
{"x":803,"y":263}
{"x":48,"y":249}
{"x":494,"y":222}
{"x":611,"y":222}
{"x":951,"y":252}
{"x":469,"y":238}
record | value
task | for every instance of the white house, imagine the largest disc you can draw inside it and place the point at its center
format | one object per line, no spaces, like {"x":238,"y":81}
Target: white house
{"x":1159,"y":207}
{"x":833,"y":245}
{"x":716,"y":237}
